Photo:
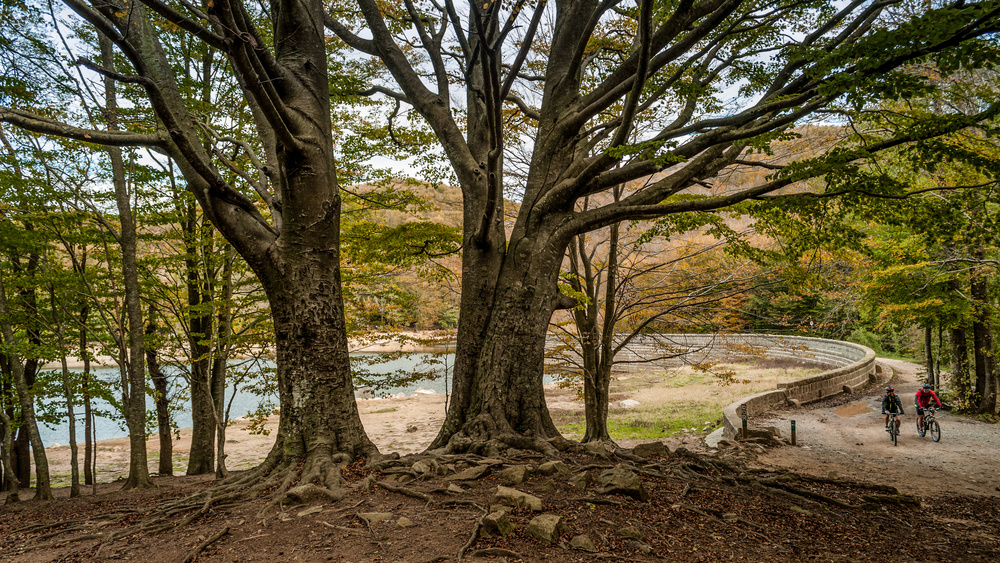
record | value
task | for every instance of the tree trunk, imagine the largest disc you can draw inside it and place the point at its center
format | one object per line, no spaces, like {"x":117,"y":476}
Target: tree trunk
{"x":507,"y":401}
{"x":161,"y":399}
{"x":981,"y":334}
{"x":6,"y":464}
{"x":43,"y":490}
{"x":929,"y":355}
{"x":20,"y":448}
{"x":319,"y":423}
{"x":134,"y":391}
{"x":202,"y":455}
{"x":598,"y":429}
{"x":74,"y":490}
{"x":960,"y":364}
{"x":220,"y":362}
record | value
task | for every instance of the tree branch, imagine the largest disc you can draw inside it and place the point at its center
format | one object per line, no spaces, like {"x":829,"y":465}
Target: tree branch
{"x":46,"y":126}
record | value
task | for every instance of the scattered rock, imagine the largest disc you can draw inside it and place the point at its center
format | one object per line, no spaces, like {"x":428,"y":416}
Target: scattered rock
{"x":730,"y":517}
{"x":651,"y":449}
{"x":628,"y":404}
{"x":375,"y":517}
{"x":405,"y":522}
{"x":630,"y":532}
{"x":422,"y":391}
{"x":621,"y":481}
{"x":583,"y":543}
{"x":581,"y":480}
{"x":470,"y":474}
{"x":546,"y":527}
{"x":516,"y":498}
{"x":546,"y":487}
{"x":516,"y":474}
{"x":497,"y":524}
{"x":421,"y":467}
{"x":453,"y":488}
{"x":555,"y":466}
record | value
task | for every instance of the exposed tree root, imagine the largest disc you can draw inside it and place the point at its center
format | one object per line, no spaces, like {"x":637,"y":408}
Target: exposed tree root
{"x":497,"y":552}
{"x":472,"y":538}
{"x":201,"y":547}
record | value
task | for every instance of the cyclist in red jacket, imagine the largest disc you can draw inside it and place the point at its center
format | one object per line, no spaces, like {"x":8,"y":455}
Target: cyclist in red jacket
{"x":921,"y":401}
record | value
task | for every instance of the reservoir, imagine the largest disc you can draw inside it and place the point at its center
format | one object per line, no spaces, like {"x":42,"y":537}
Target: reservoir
{"x":421,"y":370}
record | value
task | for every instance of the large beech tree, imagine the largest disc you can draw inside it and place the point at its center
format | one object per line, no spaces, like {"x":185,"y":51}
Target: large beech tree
{"x":288,"y":228}
{"x":569,"y":80}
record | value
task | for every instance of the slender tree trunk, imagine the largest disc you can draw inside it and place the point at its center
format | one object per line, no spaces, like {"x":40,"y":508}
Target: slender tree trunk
{"x":981,"y":333}
{"x":960,"y":365}
{"x":929,"y":354}
{"x":221,"y":360}
{"x":134,"y":393}
{"x":74,"y":488}
{"x":606,"y":357}
{"x":43,"y":490}
{"x":89,"y":449}
{"x":6,"y":463}
{"x":200,"y":303}
{"x":161,"y":399}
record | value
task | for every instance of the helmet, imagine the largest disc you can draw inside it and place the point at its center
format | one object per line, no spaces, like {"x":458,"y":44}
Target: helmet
{"x":889,"y":389}
{"x":927,"y":385}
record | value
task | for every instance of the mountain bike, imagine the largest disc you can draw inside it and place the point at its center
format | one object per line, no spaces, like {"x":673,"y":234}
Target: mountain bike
{"x":930,"y":424}
{"x":893,"y":430}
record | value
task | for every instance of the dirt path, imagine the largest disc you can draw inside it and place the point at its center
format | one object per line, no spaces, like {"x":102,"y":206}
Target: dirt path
{"x":846,"y":437}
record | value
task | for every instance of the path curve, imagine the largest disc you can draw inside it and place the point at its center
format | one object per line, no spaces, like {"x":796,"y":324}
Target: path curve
{"x":845,"y":437}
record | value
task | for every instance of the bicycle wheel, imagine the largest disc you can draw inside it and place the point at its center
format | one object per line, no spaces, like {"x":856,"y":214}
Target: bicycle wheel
{"x":935,"y":431}
{"x":894,"y":432}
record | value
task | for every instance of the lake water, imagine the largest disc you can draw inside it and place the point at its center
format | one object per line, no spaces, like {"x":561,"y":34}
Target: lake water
{"x":434,"y":368}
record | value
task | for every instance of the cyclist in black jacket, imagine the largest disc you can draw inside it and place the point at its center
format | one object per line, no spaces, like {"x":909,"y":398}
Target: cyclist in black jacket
{"x":891,"y":403}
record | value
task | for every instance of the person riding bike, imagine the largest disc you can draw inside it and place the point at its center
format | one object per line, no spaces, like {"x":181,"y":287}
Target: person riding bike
{"x":891,"y":404}
{"x":921,"y":401}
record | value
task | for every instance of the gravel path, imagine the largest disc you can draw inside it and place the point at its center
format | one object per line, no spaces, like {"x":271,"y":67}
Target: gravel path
{"x":845,"y":437}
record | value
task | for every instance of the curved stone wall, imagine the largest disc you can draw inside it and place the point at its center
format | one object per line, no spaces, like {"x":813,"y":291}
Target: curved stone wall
{"x":851,"y":366}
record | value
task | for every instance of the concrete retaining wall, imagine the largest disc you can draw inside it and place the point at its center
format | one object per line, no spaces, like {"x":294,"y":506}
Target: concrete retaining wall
{"x":850,"y":365}
{"x":856,"y":368}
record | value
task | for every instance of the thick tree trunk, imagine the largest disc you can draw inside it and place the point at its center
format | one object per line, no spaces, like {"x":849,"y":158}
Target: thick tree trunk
{"x":319,"y":423}
{"x":506,"y":405}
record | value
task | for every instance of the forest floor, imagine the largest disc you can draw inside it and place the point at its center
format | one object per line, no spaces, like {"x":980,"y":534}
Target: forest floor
{"x":843,"y":493}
